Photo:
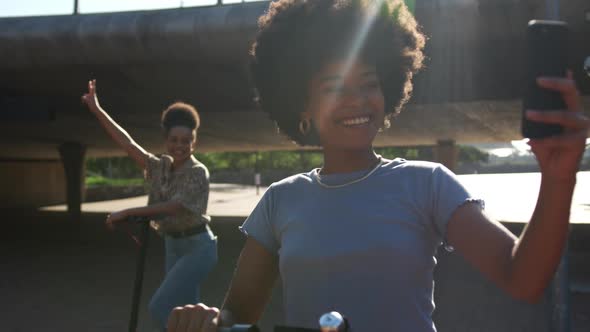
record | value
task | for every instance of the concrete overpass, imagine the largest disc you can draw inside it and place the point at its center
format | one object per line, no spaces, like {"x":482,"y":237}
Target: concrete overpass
{"x":469,"y":91}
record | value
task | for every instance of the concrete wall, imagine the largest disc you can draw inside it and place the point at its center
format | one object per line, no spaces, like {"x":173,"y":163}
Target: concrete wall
{"x":31,"y":183}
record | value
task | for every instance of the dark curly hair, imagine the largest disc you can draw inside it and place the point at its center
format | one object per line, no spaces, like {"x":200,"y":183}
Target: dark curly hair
{"x":180,"y":114}
{"x":298,"y":37}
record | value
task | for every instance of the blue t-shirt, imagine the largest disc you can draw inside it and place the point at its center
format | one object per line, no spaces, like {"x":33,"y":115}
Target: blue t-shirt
{"x":366,"y":249}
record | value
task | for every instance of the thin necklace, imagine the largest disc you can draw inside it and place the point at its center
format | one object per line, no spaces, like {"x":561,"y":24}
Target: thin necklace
{"x":333,"y":186}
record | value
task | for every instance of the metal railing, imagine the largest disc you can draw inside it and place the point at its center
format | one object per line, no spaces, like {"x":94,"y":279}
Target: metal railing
{"x":76,"y":5}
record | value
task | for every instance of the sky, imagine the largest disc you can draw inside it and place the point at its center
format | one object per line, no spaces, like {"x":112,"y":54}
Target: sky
{"x":60,"y":7}
{"x":9,"y":8}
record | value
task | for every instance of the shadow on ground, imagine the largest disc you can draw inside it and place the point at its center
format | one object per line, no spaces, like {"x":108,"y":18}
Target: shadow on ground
{"x":64,"y":276}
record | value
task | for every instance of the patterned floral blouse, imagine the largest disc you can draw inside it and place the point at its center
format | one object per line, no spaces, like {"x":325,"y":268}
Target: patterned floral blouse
{"x":189,"y":185}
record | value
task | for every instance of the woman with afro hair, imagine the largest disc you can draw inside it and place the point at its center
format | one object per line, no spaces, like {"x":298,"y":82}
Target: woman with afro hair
{"x":178,"y":195}
{"x":359,"y":235}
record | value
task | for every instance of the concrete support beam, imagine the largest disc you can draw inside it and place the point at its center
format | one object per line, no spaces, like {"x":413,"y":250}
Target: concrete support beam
{"x":446,"y":152}
{"x":72,"y":157}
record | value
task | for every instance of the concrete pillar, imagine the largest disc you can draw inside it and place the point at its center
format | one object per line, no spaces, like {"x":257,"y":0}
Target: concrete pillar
{"x":72,"y":157}
{"x":446,"y":153}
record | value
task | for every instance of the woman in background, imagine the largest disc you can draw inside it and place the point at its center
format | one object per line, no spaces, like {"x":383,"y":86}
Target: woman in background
{"x":178,"y":195}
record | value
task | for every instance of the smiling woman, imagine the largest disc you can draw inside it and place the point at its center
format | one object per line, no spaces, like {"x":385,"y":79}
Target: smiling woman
{"x":393,"y":50}
{"x":360,"y":234}
{"x":178,"y":197}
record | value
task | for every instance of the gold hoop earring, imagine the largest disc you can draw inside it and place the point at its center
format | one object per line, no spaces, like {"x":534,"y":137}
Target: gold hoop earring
{"x":304,"y":126}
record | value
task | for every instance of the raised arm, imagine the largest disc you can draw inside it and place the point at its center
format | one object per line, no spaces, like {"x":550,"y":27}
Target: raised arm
{"x":249,"y":292}
{"x":524,"y":266}
{"x":116,"y":132}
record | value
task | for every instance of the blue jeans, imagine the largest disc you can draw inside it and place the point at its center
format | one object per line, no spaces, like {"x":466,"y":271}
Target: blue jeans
{"x":188,"y":262}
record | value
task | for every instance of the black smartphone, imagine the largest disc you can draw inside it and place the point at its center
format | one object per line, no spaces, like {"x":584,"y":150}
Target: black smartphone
{"x":546,"y":55}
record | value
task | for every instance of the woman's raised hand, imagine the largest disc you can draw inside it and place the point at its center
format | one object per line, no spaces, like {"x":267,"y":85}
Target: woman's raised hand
{"x":559,"y":156}
{"x":193,"y":318}
{"x":90,"y":98}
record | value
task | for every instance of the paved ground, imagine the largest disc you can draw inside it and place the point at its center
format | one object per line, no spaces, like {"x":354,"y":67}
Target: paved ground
{"x":509,"y":197}
{"x":59,"y":276}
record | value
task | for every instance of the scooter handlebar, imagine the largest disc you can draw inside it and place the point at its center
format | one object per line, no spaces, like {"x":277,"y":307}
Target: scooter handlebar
{"x":239,"y":328}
